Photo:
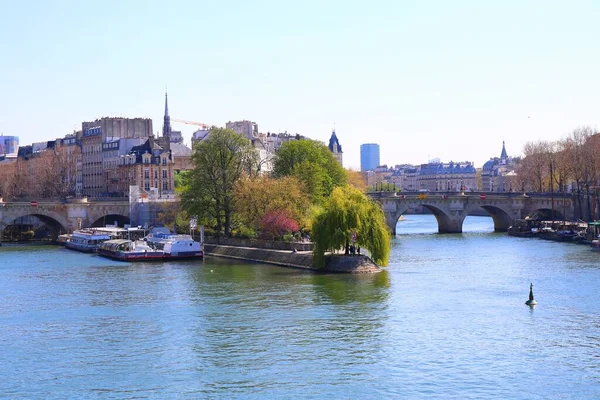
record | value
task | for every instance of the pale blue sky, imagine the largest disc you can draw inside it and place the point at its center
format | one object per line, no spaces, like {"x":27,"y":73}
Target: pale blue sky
{"x":424,"y":79}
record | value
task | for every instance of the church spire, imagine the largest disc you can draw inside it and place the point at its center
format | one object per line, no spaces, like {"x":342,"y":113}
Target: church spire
{"x":503,"y":155}
{"x":167,"y":120}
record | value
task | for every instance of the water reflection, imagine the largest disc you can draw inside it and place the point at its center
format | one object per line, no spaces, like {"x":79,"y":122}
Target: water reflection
{"x":354,"y":288}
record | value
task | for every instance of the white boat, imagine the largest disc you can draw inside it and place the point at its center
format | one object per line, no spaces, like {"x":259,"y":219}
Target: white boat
{"x":88,"y":239}
{"x":181,"y":247}
{"x":63,"y":239}
{"x":159,"y":236}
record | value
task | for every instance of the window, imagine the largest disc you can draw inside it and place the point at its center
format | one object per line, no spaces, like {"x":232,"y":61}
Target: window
{"x":147,"y":185}
{"x":165,"y":185}
{"x":164,"y":174}
{"x":146,"y":174}
{"x":155,"y":174}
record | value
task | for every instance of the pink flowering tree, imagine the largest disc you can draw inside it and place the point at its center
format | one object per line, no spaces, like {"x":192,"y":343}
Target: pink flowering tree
{"x":277,"y":223}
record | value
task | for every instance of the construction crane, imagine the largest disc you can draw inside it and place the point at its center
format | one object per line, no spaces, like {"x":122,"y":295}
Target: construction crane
{"x":205,"y":126}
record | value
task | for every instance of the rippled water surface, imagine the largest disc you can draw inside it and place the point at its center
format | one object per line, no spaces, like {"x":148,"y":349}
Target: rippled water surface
{"x":445,"y":320}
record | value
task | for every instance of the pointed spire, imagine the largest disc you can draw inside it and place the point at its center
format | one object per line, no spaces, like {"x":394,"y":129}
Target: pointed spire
{"x":166,"y":103}
{"x":334,"y":143}
{"x":167,"y":120}
{"x":503,"y":155}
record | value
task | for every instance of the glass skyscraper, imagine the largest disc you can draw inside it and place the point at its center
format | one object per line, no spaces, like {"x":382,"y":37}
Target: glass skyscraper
{"x":9,"y":144}
{"x":369,"y":156}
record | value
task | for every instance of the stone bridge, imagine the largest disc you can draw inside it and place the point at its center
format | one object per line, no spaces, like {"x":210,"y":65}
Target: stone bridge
{"x":63,"y":217}
{"x":450,"y":209}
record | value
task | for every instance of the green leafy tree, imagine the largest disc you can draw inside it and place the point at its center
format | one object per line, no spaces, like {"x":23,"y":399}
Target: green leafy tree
{"x":180,"y":180}
{"x":220,"y":161}
{"x":350,"y":212}
{"x":311,"y":163}
{"x":254,"y":198}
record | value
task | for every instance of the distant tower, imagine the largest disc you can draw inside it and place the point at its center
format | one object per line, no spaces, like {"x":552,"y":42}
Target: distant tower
{"x":335,"y":147}
{"x":503,"y":155}
{"x":369,"y":156}
{"x":167,"y":120}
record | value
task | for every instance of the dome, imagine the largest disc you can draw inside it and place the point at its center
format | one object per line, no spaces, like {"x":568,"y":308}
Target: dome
{"x":488,"y":166}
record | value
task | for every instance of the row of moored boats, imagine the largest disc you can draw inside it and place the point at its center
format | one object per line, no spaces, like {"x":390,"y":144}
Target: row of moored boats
{"x":133,"y":244}
{"x":570,"y":232}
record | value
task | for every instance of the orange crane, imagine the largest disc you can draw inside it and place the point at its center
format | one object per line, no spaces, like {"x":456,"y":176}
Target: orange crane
{"x":183,"y":121}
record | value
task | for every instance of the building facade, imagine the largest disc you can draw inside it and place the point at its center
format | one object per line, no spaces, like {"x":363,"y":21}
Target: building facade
{"x":9,"y":145}
{"x":405,"y":177}
{"x":447,"y":177}
{"x":43,"y":170}
{"x":94,"y":138}
{"x":245,"y":128}
{"x":181,"y":156}
{"x":369,"y":156}
{"x":68,"y":150}
{"x":147,"y":166}
{"x":498,"y":174}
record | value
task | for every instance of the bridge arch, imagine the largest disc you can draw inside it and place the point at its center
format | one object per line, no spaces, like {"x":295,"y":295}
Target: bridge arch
{"x":546,"y":214}
{"x":111,"y":219}
{"x":446,"y":224}
{"x":502,"y":218}
{"x":55,"y":223}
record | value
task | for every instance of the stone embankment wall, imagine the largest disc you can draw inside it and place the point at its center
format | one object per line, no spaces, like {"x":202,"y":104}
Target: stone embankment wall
{"x":260,"y":244}
{"x":335,"y":263}
{"x":277,"y":257}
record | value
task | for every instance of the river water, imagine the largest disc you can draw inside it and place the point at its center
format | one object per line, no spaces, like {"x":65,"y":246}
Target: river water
{"x":445,"y":320}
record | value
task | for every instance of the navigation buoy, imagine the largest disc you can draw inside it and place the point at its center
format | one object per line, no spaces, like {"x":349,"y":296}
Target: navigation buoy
{"x":531,"y":301}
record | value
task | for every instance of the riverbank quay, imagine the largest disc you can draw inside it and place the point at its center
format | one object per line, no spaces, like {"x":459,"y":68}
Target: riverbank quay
{"x":577,"y":232}
{"x":351,"y":264}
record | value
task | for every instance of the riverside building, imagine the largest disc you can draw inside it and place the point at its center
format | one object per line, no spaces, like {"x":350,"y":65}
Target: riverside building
{"x":94,"y":135}
{"x":447,"y":177}
{"x":498,"y":174}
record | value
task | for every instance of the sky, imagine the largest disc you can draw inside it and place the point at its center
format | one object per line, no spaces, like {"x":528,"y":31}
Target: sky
{"x":423,"y":79}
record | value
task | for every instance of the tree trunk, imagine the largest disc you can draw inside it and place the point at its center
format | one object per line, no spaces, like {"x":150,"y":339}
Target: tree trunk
{"x":218,"y":217}
{"x":589,"y":204}
{"x":228,"y":223}
{"x":579,"y":203}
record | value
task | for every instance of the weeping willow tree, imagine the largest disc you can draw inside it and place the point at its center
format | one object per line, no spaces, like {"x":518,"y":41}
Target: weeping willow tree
{"x":348,"y":212}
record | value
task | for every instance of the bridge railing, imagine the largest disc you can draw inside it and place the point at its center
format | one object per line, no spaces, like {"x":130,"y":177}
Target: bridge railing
{"x":437,"y":194}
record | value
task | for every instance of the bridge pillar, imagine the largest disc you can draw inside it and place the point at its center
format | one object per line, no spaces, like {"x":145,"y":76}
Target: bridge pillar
{"x":449,"y":225}
{"x":391,"y":220}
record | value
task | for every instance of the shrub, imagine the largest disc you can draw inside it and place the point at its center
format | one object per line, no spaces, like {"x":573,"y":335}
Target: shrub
{"x":244,"y":232}
{"x":27,"y":235}
{"x":277,"y":223}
